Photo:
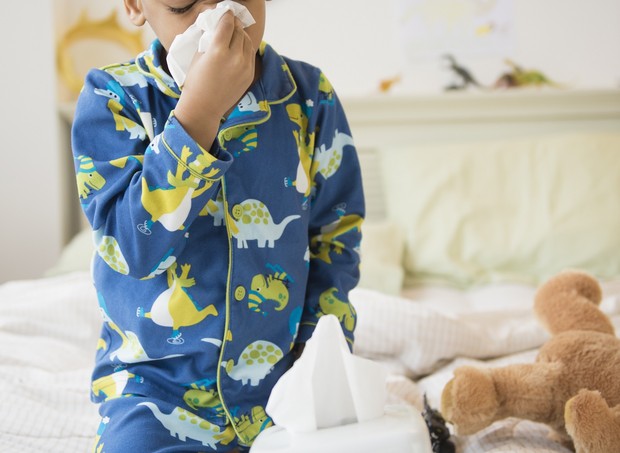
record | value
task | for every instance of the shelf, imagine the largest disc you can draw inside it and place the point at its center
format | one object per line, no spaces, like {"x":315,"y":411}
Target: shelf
{"x":526,"y":104}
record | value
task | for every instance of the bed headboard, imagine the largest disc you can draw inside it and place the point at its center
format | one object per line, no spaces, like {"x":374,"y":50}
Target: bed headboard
{"x":489,"y":186}
{"x":381,"y":122}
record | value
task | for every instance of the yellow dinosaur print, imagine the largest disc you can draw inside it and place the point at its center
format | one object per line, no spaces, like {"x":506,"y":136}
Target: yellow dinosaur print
{"x":247,"y":136}
{"x":131,"y":350}
{"x":327,"y":241}
{"x":87,"y":177}
{"x":164,"y":84}
{"x":305,"y":147}
{"x":200,"y":397}
{"x":170,"y":206}
{"x":272,"y":287}
{"x":330,"y":304}
{"x":113,"y":385}
{"x":121,"y":162}
{"x":98,"y":447}
{"x":326,"y":88}
{"x":108,"y":248}
{"x":115,"y":95}
{"x":175,"y":307}
{"x":101,"y":344}
{"x":250,"y":427}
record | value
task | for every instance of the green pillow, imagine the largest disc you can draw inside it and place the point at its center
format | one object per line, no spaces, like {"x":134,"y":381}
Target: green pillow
{"x":509,"y":211}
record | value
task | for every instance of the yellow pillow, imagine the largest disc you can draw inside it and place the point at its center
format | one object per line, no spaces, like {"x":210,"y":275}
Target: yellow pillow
{"x":513,"y":211}
{"x":383,"y":244}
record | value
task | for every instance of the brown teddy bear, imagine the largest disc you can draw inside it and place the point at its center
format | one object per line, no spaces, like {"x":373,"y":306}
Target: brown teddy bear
{"x":574,"y":384}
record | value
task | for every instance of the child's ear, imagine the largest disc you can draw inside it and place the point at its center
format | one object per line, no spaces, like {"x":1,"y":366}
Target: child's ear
{"x":133,"y":8}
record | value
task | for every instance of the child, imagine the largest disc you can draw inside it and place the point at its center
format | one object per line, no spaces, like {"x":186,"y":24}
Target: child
{"x":226,"y":217}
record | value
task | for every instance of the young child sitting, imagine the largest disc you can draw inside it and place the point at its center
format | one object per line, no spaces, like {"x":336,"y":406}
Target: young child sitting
{"x":226,"y":217}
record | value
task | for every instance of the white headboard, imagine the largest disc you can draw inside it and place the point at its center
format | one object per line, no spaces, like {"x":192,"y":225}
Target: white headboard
{"x":379,"y":122}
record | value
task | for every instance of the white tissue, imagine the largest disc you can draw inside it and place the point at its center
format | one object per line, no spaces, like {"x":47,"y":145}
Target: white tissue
{"x":327,"y":386}
{"x":198,"y":36}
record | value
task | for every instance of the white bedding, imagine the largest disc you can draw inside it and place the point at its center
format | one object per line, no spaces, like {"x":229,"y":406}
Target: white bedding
{"x":49,"y":330}
{"x":48,"y":335}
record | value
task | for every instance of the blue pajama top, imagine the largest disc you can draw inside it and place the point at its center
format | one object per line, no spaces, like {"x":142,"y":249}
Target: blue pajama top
{"x":212,"y":264}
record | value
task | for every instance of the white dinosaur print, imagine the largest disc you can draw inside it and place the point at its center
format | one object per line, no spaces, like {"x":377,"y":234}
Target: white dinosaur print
{"x":113,"y":385}
{"x":255,"y":362}
{"x":248,"y":103}
{"x":184,"y":424}
{"x":131,"y":350}
{"x":171,"y":205}
{"x":215,"y":208}
{"x":254,"y":222}
{"x":174,"y":307}
{"x":327,"y":161}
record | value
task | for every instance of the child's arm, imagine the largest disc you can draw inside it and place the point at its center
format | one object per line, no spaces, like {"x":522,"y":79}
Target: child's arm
{"x":141,"y":192}
{"x":337,"y":207}
{"x":139,"y":189}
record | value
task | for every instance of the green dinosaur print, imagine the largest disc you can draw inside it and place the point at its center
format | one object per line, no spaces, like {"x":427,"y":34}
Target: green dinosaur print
{"x":87,"y":177}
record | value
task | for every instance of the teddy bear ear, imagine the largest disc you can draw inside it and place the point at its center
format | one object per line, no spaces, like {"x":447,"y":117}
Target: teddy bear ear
{"x":569,"y":301}
{"x":573,"y":282}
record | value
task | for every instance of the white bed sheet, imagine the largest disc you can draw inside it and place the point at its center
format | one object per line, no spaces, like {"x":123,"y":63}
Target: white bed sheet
{"x":424,"y":335}
{"x":49,"y":330}
{"x":48,"y":336}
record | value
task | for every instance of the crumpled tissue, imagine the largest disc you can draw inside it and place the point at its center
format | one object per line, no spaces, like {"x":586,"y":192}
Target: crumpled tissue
{"x":198,"y":36}
{"x":327,"y":386}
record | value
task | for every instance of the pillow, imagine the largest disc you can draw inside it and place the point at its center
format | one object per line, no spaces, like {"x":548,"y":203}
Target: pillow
{"x":383,"y":244}
{"x":513,"y":211}
{"x":75,"y":256}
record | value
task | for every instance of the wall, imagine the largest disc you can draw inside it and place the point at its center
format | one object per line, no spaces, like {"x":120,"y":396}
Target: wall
{"x":357,"y":43}
{"x":30,"y":237}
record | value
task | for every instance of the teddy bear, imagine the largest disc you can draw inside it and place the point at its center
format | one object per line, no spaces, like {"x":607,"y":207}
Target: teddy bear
{"x":574,"y":384}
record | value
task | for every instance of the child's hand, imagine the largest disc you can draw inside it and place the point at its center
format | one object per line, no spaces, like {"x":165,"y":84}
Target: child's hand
{"x":216,"y":80}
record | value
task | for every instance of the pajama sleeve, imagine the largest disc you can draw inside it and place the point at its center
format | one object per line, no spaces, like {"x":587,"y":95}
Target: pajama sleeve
{"x":337,"y":212}
{"x":139,"y":191}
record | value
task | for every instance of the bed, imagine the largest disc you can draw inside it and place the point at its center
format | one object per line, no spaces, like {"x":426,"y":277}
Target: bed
{"x":473,"y":200}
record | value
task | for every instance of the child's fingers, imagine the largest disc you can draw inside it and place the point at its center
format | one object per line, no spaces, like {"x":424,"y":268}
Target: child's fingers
{"x":225,"y":30}
{"x":236,"y":41}
{"x":248,"y":46}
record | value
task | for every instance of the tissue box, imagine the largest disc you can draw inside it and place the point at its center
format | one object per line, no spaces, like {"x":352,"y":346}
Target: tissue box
{"x":400,"y":430}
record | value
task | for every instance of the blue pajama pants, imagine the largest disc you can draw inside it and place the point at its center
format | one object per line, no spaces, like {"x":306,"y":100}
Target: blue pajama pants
{"x":137,"y":424}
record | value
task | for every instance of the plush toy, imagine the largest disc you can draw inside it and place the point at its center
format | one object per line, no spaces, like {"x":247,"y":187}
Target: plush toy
{"x":574,"y":384}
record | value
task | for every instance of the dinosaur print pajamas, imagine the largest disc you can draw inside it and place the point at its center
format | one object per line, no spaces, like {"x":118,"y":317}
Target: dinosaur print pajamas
{"x":211,"y":265}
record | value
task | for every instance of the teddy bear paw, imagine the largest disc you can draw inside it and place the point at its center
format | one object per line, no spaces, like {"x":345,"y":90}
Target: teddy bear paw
{"x":591,"y":423}
{"x":469,"y":401}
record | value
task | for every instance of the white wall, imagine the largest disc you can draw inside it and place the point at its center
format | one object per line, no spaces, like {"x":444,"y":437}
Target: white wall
{"x":357,"y":43}
{"x":29,"y":175}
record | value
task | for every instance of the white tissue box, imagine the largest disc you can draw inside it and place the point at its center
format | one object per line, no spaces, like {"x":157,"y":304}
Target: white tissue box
{"x":400,"y":430}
